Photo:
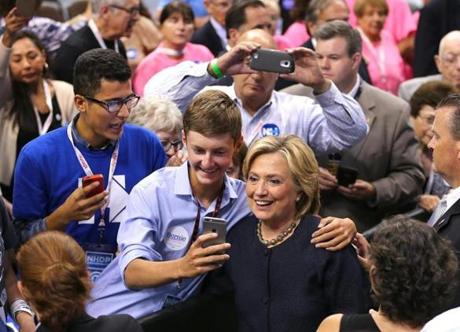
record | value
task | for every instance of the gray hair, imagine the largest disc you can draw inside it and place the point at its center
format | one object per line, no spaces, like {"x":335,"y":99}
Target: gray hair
{"x":96,"y":5}
{"x":342,"y":29}
{"x":157,"y":114}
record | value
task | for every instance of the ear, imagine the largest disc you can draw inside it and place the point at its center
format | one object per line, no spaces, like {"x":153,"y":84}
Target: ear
{"x":80,"y":103}
{"x":206,"y":4}
{"x":184,"y":138}
{"x":372,"y":273}
{"x":356,"y":60}
{"x":437,"y":61}
{"x":104,"y":10}
{"x":21,"y":289}
{"x":238,"y":143}
{"x":233,"y":36}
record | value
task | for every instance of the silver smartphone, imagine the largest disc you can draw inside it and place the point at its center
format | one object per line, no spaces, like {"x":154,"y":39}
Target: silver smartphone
{"x":274,"y":61}
{"x":215,"y":225}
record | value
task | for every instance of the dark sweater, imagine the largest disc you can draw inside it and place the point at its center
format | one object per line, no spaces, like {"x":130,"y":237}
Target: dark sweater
{"x":293,"y":286}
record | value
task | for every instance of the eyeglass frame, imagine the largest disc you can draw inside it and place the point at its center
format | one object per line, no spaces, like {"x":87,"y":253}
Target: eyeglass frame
{"x":176,"y":144}
{"x":120,"y":101}
{"x":133,"y":11}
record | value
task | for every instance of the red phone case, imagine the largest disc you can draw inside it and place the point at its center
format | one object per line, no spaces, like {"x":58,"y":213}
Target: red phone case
{"x":87,"y":180}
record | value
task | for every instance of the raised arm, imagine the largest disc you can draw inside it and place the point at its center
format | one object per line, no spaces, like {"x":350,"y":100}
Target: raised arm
{"x":182,"y":82}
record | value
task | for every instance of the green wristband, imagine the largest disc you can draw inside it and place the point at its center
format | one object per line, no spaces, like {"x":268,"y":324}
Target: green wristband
{"x":216,"y":70}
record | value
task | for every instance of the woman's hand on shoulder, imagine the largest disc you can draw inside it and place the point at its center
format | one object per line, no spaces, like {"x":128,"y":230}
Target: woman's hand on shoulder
{"x":334,"y":233}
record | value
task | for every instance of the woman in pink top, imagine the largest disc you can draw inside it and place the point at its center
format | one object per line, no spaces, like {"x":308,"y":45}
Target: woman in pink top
{"x":384,"y":62}
{"x":176,"y":26}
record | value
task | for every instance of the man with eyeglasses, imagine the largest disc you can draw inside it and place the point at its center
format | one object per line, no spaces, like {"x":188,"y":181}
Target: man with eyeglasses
{"x":448,"y":63}
{"x":112,"y":19}
{"x":48,"y":192}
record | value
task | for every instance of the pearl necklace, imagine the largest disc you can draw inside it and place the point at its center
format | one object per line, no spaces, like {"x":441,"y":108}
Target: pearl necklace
{"x":277,"y":240}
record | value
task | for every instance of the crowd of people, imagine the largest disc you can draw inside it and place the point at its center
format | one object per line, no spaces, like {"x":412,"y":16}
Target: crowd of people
{"x":146,"y":162}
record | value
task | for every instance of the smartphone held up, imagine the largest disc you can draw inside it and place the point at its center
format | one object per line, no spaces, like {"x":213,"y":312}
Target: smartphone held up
{"x":274,"y":61}
{"x":87,"y":180}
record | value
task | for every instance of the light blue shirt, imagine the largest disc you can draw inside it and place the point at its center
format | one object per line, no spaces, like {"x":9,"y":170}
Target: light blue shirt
{"x":331,"y":122}
{"x":161,"y":213}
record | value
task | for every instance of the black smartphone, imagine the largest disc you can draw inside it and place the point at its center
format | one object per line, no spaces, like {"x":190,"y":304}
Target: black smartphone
{"x":215,"y":225}
{"x":346,"y":175}
{"x":26,"y":8}
{"x":274,"y":61}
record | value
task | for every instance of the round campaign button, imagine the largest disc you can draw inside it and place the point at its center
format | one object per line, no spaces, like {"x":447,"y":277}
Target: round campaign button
{"x":270,"y":129}
{"x":176,"y":238}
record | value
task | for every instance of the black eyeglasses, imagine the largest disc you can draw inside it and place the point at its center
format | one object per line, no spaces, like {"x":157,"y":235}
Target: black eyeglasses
{"x":114,"y":105}
{"x":133,"y":11}
{"x":176,"y":144}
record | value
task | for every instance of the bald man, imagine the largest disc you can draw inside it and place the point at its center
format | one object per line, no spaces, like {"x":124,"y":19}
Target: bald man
{"x":334,"y":122}
{"x":447,"y":62}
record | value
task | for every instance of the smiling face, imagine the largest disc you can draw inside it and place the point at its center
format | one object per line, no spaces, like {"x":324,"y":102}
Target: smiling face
{"x":372,"y":21}
{"x":270,"y":189}
{"x":96,"y":125}
{"x":177,"y":31}
{"x":26,"y":61}
{"x":209,"y":158}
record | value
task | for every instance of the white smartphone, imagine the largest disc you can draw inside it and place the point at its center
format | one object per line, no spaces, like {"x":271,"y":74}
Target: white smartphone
{"x":215,"y":225}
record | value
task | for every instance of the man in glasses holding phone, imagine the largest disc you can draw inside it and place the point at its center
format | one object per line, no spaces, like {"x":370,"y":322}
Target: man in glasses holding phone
{"x":48,"y":193}
{"x":112,"y":19}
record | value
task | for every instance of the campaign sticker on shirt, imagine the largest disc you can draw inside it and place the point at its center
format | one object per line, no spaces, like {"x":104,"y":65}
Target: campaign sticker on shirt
{"x":176,"y":238}
{"x":270,"y":129}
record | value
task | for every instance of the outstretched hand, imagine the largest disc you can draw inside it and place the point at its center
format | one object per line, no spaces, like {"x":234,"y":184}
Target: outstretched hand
{"x":307,"y":70}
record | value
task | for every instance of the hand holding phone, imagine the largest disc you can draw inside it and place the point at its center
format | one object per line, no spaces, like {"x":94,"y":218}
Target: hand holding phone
{"x":87,"y":180}
{"x":346,"y":175}
{"x":274,"y":61}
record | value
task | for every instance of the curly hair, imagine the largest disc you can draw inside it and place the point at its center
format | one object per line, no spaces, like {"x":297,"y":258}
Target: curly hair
{"x":52,"y":269}
{"x":415,"y":270}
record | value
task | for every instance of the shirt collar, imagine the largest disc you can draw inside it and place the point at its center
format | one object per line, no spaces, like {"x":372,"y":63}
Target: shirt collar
{"x":452,"y":196}
{"x":355,"y":88}
{"x":233,"y":96}
{"x":81,"y":142}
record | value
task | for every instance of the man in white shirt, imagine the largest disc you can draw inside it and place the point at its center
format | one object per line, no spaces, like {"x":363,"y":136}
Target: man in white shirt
{"x":332,"y":122}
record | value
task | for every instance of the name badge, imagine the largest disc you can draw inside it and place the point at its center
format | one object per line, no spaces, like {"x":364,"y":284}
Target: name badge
{"x":98,"y":256}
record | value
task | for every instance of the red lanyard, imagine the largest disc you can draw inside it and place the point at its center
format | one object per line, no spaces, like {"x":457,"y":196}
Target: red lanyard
{"x":198,"y":214}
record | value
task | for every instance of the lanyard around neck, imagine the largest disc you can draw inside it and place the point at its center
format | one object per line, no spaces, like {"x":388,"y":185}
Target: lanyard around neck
{"x":92,"y":25}
{"x":43,"y":128}
{"x":198,"y":214}
{"x":87,"y":169}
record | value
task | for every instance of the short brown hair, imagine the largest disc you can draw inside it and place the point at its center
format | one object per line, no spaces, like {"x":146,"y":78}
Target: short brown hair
{"x":360,"y":5}
{"x":429,"y":93}
{"x":453,"y":101}
{"x":302,"y":164}
{"x":52,"y":267}
{"x":213,"y":113}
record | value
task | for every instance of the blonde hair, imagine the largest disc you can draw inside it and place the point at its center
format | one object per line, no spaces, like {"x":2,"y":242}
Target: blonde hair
{"x":52,"y":269}
{"x":302,"y":165}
